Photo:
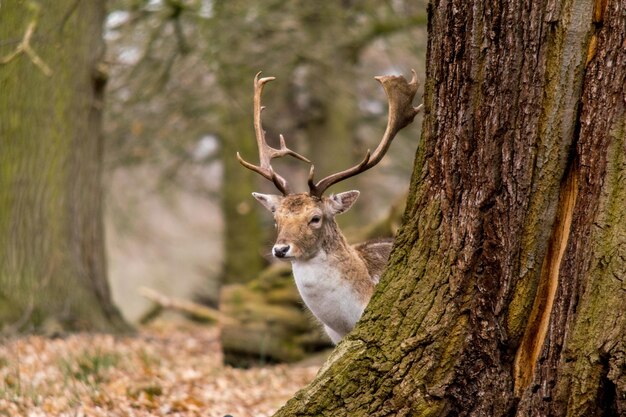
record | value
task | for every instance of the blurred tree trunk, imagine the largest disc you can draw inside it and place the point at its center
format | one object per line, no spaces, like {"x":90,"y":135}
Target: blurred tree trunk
{"x":243,"y":235}
{"x":331,"y":131}
{"x":52,"y":261}
{"x":328,"y":116}
{"x":330,"y":120}
{"x":505,"y":292}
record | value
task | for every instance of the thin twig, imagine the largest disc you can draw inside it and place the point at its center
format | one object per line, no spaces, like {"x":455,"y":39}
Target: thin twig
{"x":25,"y":48}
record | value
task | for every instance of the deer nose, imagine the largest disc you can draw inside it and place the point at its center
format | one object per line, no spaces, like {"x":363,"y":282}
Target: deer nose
{"x":280,"y":251}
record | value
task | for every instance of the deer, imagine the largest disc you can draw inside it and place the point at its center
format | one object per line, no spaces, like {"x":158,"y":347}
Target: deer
{"x":335,"y":279}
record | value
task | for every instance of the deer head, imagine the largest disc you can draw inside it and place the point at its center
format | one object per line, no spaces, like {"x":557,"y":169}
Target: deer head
{"x":305,"y":221}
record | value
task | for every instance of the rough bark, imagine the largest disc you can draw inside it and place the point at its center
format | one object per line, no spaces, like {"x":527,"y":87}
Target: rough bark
{"x":52,"y":263}
{"x":581,"y":369}
{"x":505,"y":291}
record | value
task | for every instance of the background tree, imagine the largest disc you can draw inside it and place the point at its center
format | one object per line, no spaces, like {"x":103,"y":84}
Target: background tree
{"x":313,"y":49}
{"x":505,"y":292}
{"x":52,"y":265}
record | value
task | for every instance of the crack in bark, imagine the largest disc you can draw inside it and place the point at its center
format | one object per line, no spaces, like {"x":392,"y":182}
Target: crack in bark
{"x":537,"y":328}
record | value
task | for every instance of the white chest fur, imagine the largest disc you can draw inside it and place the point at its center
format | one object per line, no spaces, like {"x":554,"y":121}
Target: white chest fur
{"x":328,"y":295}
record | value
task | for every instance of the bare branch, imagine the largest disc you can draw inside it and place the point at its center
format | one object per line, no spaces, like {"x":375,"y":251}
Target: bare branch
{"x":185,"y":306}
{"x":24,"y":47}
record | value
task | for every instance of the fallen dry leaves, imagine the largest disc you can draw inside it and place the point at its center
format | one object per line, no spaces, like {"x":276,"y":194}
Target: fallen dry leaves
{"x":165,"y":370}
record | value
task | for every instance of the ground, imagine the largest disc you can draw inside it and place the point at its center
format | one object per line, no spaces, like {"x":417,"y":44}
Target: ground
{"x":168,"y":368}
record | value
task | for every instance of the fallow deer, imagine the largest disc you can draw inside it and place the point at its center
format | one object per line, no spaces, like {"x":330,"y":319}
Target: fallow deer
{"x":335,"y":279}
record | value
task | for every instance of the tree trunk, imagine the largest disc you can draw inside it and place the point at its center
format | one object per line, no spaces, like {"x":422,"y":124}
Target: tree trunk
{"x":52,"y":263}
{"x":505,"y":293}
{"x":243,"y":235}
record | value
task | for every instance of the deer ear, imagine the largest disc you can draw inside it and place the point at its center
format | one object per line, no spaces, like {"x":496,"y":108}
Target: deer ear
{"x":269,"y":201}
{"x":340,"y":203}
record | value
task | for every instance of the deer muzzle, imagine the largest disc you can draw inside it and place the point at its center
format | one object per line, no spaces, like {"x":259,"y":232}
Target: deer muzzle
{"x":281,"y":250}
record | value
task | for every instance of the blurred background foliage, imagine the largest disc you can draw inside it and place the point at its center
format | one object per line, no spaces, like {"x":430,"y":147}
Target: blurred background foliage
{"x":180,"y":217}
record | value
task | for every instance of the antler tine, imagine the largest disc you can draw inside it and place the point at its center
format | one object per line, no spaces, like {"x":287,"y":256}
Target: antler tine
{"x":266,"y":152}
{"x":400,"y":94}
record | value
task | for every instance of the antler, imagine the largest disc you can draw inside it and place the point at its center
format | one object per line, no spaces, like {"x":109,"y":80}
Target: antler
{"x":266,"y":152}
{"x":400,"y":94}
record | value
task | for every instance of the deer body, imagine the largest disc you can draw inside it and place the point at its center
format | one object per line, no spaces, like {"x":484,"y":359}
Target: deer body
{"x":329,"y":294}
{"x":336,"y":288}
{"x":336,"y":280}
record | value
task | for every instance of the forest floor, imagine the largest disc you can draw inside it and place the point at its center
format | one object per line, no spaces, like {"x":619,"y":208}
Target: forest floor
{"x":167,"y":368}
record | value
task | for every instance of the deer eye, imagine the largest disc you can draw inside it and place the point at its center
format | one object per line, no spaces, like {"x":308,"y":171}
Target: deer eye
{"x":315,"y":219}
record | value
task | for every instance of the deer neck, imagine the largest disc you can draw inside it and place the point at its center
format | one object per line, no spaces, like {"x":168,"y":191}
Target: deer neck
{"x":334,"y":283}
{"x":334,"y":242}
{"x":336,"y":262}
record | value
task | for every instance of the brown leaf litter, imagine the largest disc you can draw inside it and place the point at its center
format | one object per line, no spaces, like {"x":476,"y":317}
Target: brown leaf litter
{"x":167,"y":369}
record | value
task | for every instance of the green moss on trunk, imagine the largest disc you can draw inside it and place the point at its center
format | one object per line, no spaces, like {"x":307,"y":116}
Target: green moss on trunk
{"x":52,"y":265}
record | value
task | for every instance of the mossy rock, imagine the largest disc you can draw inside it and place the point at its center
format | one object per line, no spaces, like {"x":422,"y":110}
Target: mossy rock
{"x":271,"y":323}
